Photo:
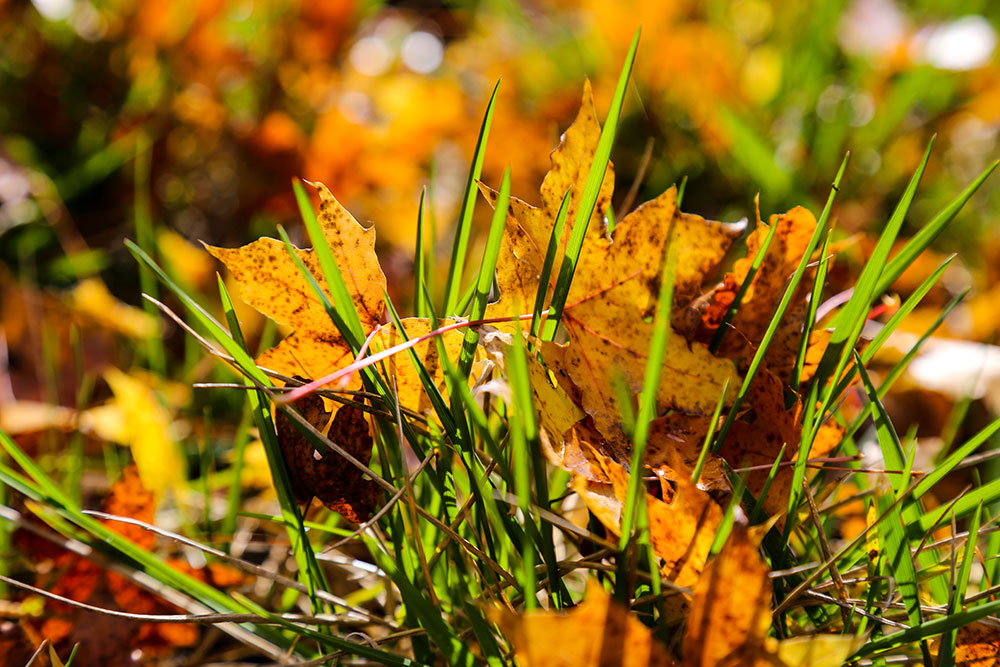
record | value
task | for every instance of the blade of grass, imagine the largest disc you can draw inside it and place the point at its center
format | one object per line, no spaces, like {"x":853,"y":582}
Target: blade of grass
{"x":523,"y":432}
{"x":650,"y":389}
{"x":900,"y":367}
{"x":550,"y":257}
{"x":850,"y":321}
{"x":420,"y":296}
{"x":922,"y":239}
{"x":712,"y":425}
{"x":895,"y":459}
{"x":946,"y":652}
{"x":779,"y":313}
{"x":588,"y":198}
{"x":460,"y":247}
{"x":814,"y":299}
{"x":484,"y":282}
{"x":341,"y":299}
{"x":305,"y":557}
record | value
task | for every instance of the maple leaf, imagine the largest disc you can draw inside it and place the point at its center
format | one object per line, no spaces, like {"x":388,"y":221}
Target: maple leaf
{"x":328,"y":476}
{"x":701,"y":319}
{"x":607,"y":317}
{"x":270,"y":282}
{"x":603,"y":633}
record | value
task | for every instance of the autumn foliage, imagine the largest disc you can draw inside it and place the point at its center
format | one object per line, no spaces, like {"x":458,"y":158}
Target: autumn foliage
{"x":598,"y":433}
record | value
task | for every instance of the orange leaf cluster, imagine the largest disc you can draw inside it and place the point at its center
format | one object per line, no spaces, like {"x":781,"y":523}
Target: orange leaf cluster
{"x":103,"y":639}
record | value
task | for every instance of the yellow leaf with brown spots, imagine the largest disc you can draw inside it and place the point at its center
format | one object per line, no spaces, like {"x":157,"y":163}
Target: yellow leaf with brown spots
{"x":977,"y":645}
{"x":731,"y":610}
{"x":615,"y":286}
{"x":599,"y":632}
{"x":270,"y":282}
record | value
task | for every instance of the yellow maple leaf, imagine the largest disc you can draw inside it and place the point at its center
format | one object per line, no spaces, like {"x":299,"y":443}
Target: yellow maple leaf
{"x":607,"y":316}
{"x":270,"y":282}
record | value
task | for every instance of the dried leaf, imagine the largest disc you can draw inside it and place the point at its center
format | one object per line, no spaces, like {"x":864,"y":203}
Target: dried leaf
{"x":731,"y":611}
{"x":599,"y":632}
{"x":106,"y":640}
{"x":92,"y":299}
{"x":977,"y":645}
{"x":270,"y":282}
{"x":682,"y":526}
{"x":614,"y":290}
{"x":328,"y":476}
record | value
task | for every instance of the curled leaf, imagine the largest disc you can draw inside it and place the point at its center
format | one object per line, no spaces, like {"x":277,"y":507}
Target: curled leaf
{"x":328,"y":476}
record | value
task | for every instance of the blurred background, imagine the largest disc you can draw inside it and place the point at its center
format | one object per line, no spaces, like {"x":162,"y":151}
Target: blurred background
{"x":179,"y":121}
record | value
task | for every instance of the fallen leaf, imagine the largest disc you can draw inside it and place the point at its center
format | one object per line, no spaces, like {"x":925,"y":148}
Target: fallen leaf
{"x":977,"y":645}
{"x":270,"y":282}
{"x":731,"y":610}
{"x":819,"y":650}
{"x":148,"y":433}
{"x":615,"y":285}
{"x":106,"y":640}
{"x":328,"y":476}
{"x":92,"y":299}
{"x":682,"y":526}
{"x":599,"y":632}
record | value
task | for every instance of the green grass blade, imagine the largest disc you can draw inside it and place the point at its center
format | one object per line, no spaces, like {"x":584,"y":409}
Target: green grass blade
{"x":305,"y":557}
{"x":341,"y":298}
{"x":461,"y":245}
{"x":934,"y":476}
{"x":888,"y":439}
{"x":922,"y":239}
{"x":420,"y":296}
{"x":814,"y":298}
{"x":523,"y":431}
{"x":710,"y":435}
{"x":850,"y":321}
{"x":779,"y":313}
{"x":221,"y":336}
{"x":900,"y":367}
{"x":588,"y":198}
{"x":49,"y":493}
{"x":550,"y":258}
{"x":484,"y":282}
{"x":946,"y":652}
{"x":650,"y":389}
